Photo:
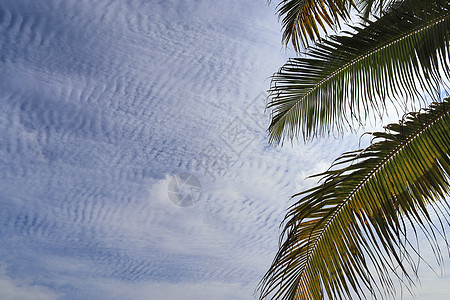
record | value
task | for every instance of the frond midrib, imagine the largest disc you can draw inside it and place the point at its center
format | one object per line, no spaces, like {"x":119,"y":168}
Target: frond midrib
{"x":377,"y":168}
{"x":363,"y":57}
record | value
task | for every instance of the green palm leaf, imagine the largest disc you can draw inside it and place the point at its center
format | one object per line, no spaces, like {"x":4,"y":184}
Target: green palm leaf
{"x":346,"y":79}
{"x":301,"y":19}
{"x":374,"y":7}
{"x":357,"y":216}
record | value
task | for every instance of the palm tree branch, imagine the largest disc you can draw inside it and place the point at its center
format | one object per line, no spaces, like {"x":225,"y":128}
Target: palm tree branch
{"x":379,"y":166}
{"x":301,"y":19}
{"x":355,"y":214}
{"x":346,"y":67}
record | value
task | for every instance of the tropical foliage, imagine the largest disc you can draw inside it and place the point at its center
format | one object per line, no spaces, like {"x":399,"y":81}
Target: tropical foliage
{"x":302,"y":20}
{"x":358,"y":216}
{"x":346,"y":78}
{"x":348,"y":236}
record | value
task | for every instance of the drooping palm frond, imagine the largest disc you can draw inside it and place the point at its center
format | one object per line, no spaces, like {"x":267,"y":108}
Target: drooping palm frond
{"x":374,"y":7}
{"x":356,"y":216}
{"x":346,"y":79}
{"x":302,"y":19}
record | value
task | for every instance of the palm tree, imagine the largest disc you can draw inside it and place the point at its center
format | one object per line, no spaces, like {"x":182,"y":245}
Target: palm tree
{"x":348,"y":235}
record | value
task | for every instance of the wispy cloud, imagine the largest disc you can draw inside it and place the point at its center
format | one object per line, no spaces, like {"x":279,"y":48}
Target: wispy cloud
{"x":17,"y":289}
{"x":102,"y":103}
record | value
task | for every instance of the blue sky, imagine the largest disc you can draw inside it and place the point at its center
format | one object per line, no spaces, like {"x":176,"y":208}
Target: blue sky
{"x":102,"y":104}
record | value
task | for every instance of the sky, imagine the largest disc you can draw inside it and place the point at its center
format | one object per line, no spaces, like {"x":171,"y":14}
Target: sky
{"x":134,"y":161}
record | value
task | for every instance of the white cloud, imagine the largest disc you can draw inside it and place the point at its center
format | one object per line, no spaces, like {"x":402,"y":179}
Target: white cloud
{"x":206,"y":290}
{"x":102,"y":103}
{"x":16,"y":289}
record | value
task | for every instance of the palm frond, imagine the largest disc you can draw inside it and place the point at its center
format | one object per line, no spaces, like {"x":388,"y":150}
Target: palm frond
{"x":403,"y":56}
{"x":374,"y":7}
{"x":358,"y":214}
{"x":302,"y":19}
